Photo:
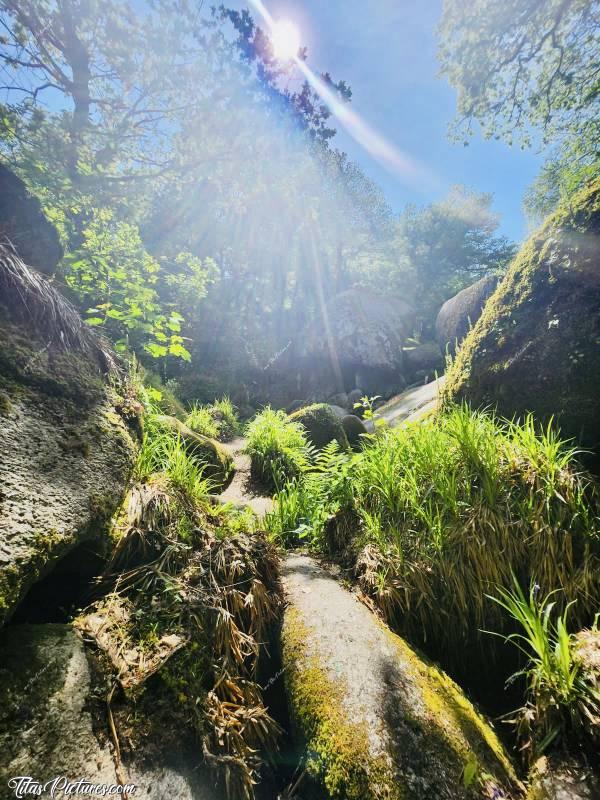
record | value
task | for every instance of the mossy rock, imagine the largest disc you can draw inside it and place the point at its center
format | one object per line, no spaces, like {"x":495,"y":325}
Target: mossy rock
{"x":218,"y":462}
{"x":354,"y":429}
{"x":322,"y":425}
{"x":536,"y":346}
{"x":25,"y":225}
{"x":68,"y":451}
{"x":53,"y":720}
{"x":377,"y":719}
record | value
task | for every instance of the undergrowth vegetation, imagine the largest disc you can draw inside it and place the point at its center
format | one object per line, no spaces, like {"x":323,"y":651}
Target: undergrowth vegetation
{"x":193,"y":590}
{"x":164,"y":453}
{"x":563,"y":699}
{"x":278,"y":448}
{"x":435,"y":516}
{"x":217,"y":420}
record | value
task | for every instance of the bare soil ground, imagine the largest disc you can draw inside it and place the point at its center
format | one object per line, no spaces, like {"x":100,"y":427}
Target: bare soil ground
{"x":242,"y":491}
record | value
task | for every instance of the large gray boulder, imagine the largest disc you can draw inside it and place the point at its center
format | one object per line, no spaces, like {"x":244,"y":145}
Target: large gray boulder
{"x":358,"y":344}
{"x":536,"y":346}
{"x":24,"y":225}
{"x":377,"y":719}
{"x":53,"y":722}
{"x":458,"y":315}
{"x":67,"y":447}
{"x":423,"y":361}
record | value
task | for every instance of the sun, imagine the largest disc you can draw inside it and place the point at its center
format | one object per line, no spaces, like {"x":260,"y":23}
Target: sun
{"x":285,"y":39}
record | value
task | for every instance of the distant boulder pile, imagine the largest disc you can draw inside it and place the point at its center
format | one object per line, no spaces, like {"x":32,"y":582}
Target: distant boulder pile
{"x":536,"y":347}
{"x":357,"y":346}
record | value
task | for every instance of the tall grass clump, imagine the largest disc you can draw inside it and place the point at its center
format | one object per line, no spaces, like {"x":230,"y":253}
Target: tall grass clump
{"x":563,"y":701}
{"x":225,"y":414}
{"x":200,"y":420}
{"x":278,"y":449}
{"x":217,"y":420}
{"x":451,"y":508}
{"x":164,"y":453}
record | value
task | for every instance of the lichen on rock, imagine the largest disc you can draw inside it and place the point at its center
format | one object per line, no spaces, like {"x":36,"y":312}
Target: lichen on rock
{"x":67,"y":447}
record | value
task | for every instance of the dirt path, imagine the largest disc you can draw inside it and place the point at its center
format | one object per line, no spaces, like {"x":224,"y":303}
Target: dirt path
{"x":411,"y":403}
{"x":241,"y":491}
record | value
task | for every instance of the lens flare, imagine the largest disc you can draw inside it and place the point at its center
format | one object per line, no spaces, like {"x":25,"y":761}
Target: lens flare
{"x":378,"y":147}
{"x":286,"y":40}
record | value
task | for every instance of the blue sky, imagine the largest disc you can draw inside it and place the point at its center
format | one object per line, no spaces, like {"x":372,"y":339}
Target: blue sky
{"x":386,"y":51}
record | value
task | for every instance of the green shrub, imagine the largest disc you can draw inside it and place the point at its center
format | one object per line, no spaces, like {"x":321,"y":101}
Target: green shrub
{"x":562,"y":701}
{"x":277,"y":448}
{"x":322,"y":425}
{"x":304,"y":504}
{"x":224,"y":413}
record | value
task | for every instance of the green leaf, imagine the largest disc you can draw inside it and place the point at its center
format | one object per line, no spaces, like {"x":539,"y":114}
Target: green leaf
{"x":179,"y":351}
{"x":156,"y":350}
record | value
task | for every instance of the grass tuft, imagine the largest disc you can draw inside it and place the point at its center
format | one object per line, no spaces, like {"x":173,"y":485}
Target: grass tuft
{"x":278,"y":449}
{"x":563,"y":702}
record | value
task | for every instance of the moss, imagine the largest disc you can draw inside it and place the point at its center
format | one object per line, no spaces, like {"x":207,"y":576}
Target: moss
{"x":339,"y":753}
{"x":32,"y":362}
{"x":536,"y":347}
{"x":448,"y":733}
{"x":322,"y":425}
{"x":5,"y":405}
{"x":15,"y":581}
{"x":465,"y":731}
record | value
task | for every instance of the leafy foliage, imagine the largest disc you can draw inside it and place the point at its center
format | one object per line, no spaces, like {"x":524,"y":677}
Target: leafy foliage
{"x":527,"y":71}
{"x":516,"y":65}
{"x":304,"y":504}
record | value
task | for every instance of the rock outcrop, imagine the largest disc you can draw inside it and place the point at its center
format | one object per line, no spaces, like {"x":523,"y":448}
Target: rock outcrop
{"x":354,"y":429}
{"x":458,"y":314}
{"x":423,"y":362}
{"x":24,"y":225}
{"x":61,"y":730}
{"x":66,"y":443}
{"x":359,"y":345}
{"x":563,"y":778}
{"x":536,"y":347}
{"x":376,"y":718}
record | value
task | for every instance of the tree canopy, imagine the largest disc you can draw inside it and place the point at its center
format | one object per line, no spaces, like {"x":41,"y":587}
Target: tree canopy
{"x":204,"y":207}
{"x":527,"y":71}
